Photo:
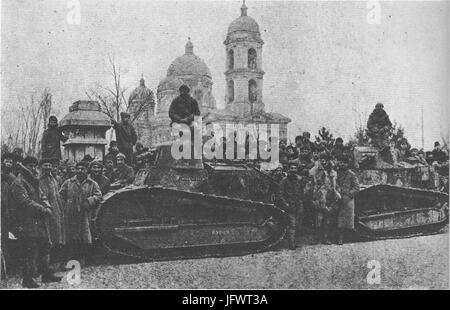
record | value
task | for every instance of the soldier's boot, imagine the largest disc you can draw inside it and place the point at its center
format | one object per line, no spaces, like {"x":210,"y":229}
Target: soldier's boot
{"x":326,"y":240}
{"x":291,"y":240}
{"x":318,"y":236}
{"x":340,"y":238}
{"x":29,"y":283}
{"x":48,"y":275}
{"x":292,"y":245}
{"x":50,"y":278}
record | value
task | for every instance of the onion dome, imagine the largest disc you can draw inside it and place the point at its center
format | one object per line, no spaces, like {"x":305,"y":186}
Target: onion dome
{"x":188,"y":64}
{"x":243,"y":22}
{"x":141,"y":93}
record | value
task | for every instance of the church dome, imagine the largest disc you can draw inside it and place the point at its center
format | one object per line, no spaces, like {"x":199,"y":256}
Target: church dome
{"x":141,"y":92}
{"x":188,"y":64}
{"x":243,"y":22}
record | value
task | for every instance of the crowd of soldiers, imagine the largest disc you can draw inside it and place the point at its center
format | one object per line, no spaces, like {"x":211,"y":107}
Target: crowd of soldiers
{"x":316,"y":189}
{"x":317,"y":184}
{"x":50,"y":206}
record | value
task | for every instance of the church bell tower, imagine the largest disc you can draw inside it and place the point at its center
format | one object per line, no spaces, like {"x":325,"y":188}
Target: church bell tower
{"x":244,"y":74}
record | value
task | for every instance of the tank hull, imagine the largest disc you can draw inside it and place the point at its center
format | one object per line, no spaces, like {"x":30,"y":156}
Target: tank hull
{"x":386,"y":211}
{"x":156,"y":223}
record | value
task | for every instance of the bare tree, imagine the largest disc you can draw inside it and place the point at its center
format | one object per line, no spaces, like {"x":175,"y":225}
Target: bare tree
{"x":25,"y":132}
{"x":112,"y":99}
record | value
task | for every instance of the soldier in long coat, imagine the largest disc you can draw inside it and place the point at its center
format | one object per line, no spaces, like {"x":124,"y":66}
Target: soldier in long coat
{"x":80,"y":195}
{"x":96,"y":174}
{"x":49,"y":187}
{"x":325,"y":198}
{"x":6,"y":215}
{"x":348,"y":184}
{"x":50,"y":143}
{"x":289,"y":197}
{"x":31,"y":224}
{"x":379,"y":126}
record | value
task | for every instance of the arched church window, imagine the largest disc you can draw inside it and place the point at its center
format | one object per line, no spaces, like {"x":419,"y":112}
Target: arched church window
{"x":230,"y":91}
{"x":251,"y":58}
{"x":230,"y":59}
{"x":252,"y":91}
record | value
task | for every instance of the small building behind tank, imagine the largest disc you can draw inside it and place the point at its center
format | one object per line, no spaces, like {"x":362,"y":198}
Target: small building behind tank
{"x":86,"y":127}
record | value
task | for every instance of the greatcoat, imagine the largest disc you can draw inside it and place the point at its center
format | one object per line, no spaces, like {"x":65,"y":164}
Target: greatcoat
{"x":80,"y":199}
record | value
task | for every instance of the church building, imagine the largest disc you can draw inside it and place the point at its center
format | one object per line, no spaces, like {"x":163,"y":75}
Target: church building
{"x":244,"y":86}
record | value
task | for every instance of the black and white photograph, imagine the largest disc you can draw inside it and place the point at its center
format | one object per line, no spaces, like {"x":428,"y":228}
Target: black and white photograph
{"x":224,"y":145}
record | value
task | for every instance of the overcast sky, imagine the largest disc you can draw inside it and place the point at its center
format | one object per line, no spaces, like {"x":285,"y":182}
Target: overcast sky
{"x":324,"y":63}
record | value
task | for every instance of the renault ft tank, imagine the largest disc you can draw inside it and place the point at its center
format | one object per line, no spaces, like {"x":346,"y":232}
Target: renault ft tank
{"x":396,"y":200}
{"x":180,"y":209}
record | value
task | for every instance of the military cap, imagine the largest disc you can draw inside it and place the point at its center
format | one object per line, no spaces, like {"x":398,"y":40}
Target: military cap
{"x":82,"y":164}
{"x":30,"y":160}
{"x":109,"y":157}
{"x":8,"y":155}
{"x":96,"y":163}
{"x":121,"y":155}
{"x":124,"y":115}
{"x":45,"y":161}
{"x":184,"y":89}
{"x":88,"y":158}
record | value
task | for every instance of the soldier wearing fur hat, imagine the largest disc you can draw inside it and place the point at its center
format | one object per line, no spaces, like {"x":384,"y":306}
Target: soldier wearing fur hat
{"x":125,"y":135}
{"x":51,"y":138}
{"x":183,"y":108}
{"x":124,"y":174}
{"x":379,"y":126}
{"x":32,"y":214}
{"x":81,"y":196}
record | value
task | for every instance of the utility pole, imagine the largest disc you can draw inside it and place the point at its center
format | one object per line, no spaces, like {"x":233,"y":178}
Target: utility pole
{"x":423,"y":142}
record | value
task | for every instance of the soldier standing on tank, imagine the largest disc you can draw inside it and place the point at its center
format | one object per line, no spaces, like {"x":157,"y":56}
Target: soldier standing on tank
{"x":379,"y":127}
{"x":126,"y":136}
{"x":290,"y":196}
